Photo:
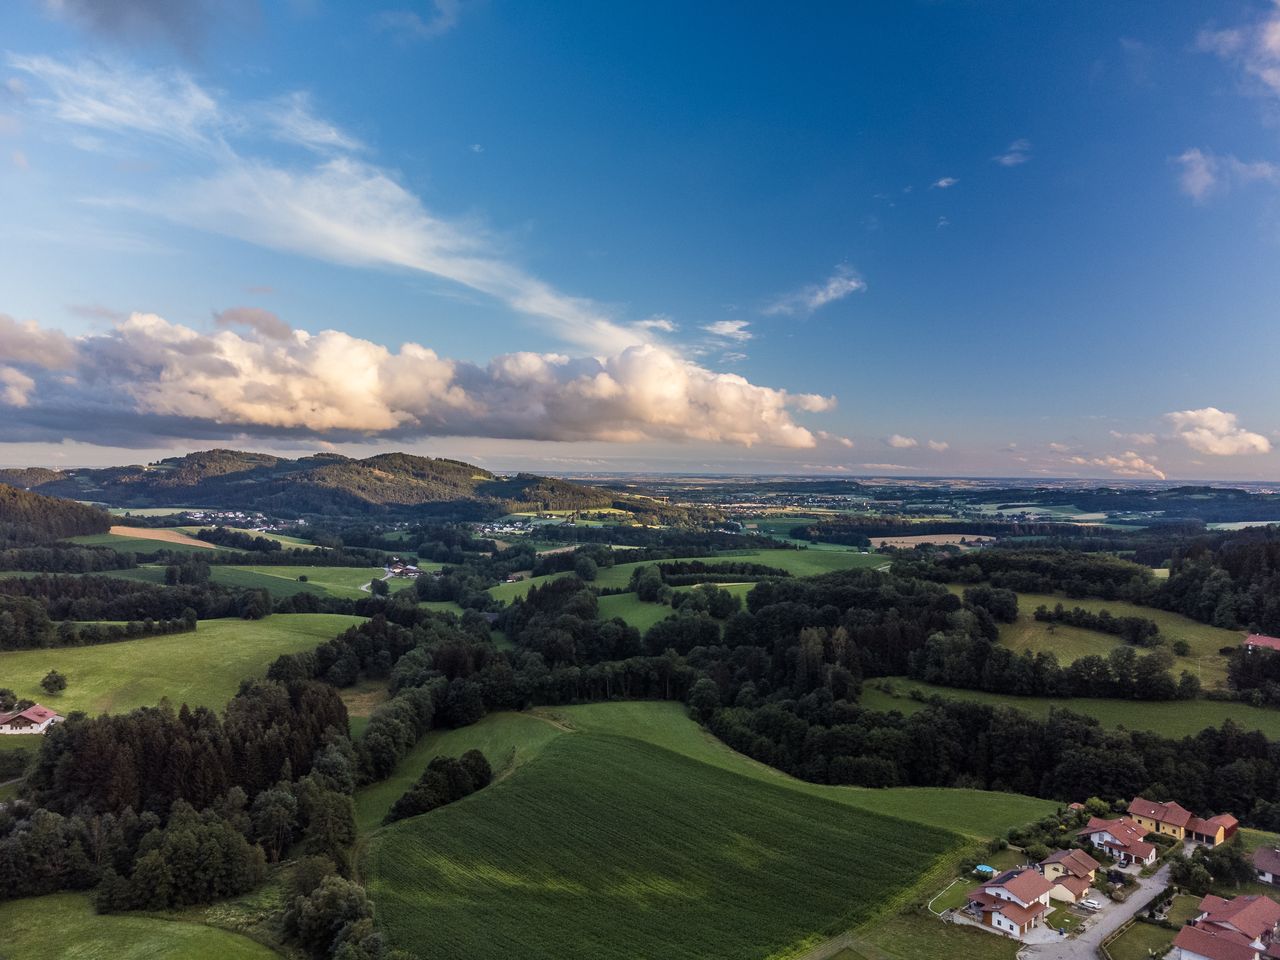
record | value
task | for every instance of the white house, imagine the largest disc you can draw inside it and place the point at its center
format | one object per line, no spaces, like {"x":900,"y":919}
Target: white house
{"x":1012,"y":902}
{"x":34,"y":719}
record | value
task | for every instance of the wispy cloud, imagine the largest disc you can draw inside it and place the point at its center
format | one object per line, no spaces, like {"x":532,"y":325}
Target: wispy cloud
{"x":1137,"y":439}
{"x":730,"y":330}
{"x":1202,"y":174}
{"x":1213,"y":431}
{"x":1254,"y":47}
{"x":945,"y":183}
{"x":1018,"y":152}
{"x":885,"y":466}
{"x":939,"y":446}
{"x":899,"y":442}
{"x":411,"y":25}
{"x":815,"y":296}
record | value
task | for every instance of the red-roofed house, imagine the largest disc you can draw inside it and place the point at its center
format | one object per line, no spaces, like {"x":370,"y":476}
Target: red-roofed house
{"x":1168,"y":818}
{"x":1071,"y":872}
{"x":1121,"y":839}
{"x":34,"y":719}
{"x":1259,"y":641}
{"x":1213,"y":831}
{"x":1012,"y":902}
{"x":1266,"y":860}
{"x":1241,"y":928}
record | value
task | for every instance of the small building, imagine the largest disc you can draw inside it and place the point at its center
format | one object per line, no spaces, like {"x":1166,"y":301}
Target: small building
{"x":1266,"y":860}
{"x":34,"y":719}
{"x":1242,"y":928}
{"x":1012,"y":902}
{"x":1071,"y":872}
{"x":1260,"y":641}
{"x":1122,"y":839}
{"x":1213,"y":831}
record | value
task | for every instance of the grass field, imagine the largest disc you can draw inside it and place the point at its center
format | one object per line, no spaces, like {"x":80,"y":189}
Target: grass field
{"x":331,"y":581}
{"x":1070,"y":643}
{"x":918,"y":937}
{"x":204,"y":667}
{"x":64,"y":926}
{"x":799,"y":563}
{"x":589,"y":851}
{"x":1173,"y":718}
{"x":636,"y":612}
{"x":134,"y":543}
{"x":289,"y":543}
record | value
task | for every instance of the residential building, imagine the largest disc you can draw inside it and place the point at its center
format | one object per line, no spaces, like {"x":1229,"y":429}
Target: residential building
{"x":1259,"y":641}
{"x":34,"y":719}
{"x":1213,"y":831}
{"x":1122,"y":840}
{"x":1071,"y":872}
{"x":1168,"y":818}
{"x":1242,"y":928}
{"x":1012,"y":902}
{"x":1266,"y":860}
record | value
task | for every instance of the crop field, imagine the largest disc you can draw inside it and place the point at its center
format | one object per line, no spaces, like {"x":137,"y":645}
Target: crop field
{"x":141,"y":540}
{"x":507,"y":740}
{"x":1172,"y":718}
{"x":588,"y":851}
{"x":799,"y":563}
{"x":1070,"y":643}
{"x":204,"y":667}
{"x":65,"y":925}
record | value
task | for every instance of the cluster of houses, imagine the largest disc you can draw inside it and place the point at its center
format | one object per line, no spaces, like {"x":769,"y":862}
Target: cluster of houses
{"x":399,"y":568}
{"x":32,"y":719}
{"x":1242,"y":928}
{"x":1015,"y":901}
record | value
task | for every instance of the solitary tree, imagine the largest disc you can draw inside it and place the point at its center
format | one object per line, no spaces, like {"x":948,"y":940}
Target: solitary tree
{"x":53,"y":682}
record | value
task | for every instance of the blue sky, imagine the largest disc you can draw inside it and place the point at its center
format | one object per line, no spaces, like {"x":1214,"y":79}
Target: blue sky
{"x":965,"y":238}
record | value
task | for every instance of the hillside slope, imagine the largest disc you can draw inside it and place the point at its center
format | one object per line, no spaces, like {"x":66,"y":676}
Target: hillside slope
{"x":27,"y":517}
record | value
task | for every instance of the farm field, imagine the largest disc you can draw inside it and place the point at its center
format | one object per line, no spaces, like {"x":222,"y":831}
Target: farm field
{"x":143,"y":540}
{"x":204,"y":667}
{"x":333,"y":581}
{"x":724,"y":867}
{"x":289,"y":543}
{"x":1070,"y":643}
{"x":65,"y":925}
{"x":1173,"y":718}
{"x":799,"y":563}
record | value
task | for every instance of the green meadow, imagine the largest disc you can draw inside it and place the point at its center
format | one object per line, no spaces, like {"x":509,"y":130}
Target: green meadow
{"x":64,"y":926}
{"x":1172,"y":718}
{"x":330,"y":581}
{"x":204,"y":667}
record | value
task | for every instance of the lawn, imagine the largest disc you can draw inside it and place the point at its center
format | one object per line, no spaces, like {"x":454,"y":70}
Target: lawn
{"x":1140,"y":942}
{"x":1172,"y":718}
{"x":64,"y":926}
{"x":204,"y":667}
{"x":1069,"y":643}
{"x":609,"y":847}
{"x":912,"y":936}
{"x":799,"y":563}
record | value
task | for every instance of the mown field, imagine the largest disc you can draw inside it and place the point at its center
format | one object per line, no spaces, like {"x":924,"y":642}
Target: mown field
{"x":799,"y":563}
{"x":330,"y":581}
{"x":289,"y":543}
{"x":64,"y":926}
{"x":204,"y":667}
{"x":589,"y":851}
{"x":1070,"y":643}
{"x":137,"y":544}
{"x":1173,"y":718}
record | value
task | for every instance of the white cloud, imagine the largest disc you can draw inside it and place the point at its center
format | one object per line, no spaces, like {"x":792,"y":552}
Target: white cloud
{"x":294,"y":121}
{"x":885,"y":466}
{"x":255,"y":318}
{"x":939,"y":446}
{"x":1058,"y":447}
{"x":337,"y":208}
{"x":1254,"y":48}
{"x":899,"y":442}
{"x":659,"y":323}
{"x":1019,"y":152}
{"x":1127,"y":464}
{"x":407,"y":24}
{"x":730,"y":330}
{"x":1138,"y":439}
{"x":1213,"y":431}
{"x":808,"y":299}
{"x":1203,"y":174}
{"x":150,"y":378}
{"x":945,"y":183}
{"x":943,"y":223}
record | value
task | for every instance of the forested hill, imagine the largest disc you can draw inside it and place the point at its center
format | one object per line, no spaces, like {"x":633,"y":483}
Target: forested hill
{"x":323,"y":483}
{"x":27,"y":517}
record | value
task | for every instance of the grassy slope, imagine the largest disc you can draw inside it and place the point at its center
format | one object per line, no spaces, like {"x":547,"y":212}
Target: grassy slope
{"x":137,"y":544}
{"x":590,"y":851}
{"x":1070,"y":643}
{"x":65,"y":927}
{"x":800,"y":563}
{"x":289,"y":543}
{"x":204,"y":667}
{"x":1176,"y":718}
{"x":335,"y":581}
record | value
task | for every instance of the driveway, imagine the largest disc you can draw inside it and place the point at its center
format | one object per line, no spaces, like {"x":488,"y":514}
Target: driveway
{"x":1085,"y":945}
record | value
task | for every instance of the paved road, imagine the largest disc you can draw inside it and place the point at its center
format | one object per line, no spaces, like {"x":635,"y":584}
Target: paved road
{"x":1085,"y":946}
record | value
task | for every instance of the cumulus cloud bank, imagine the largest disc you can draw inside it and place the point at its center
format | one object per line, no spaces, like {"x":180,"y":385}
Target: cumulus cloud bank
{"x":1127,"y":464}
{"x":256,"y":376}
{"x":899,"y":442}
{"x":1216,"y":432}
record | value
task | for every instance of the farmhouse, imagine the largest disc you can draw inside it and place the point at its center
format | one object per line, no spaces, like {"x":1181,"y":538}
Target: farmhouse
{"x":34,"y":719}
{"x":1071,"y":872}
{"x":1266,"y":860}
{"x":1011,"y":903}
{"x":1173,"y":820}
{"x":1121,"y":839}
{"x":1259,"y":641}
{"x":1242,"y":928}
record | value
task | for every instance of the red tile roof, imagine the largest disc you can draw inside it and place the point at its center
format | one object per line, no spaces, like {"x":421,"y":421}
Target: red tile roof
{"x":1252,"y":915}
{"x":1026,"y":885}
{"x":1077,"y":885}
{"x":1128,"y":835}
{"x":1169,"y":812}
{"x":1210,"y":827}
{"x":1076,"y":862}
{"x":34,"y":713}
{"x":1215,"y":946}
{"x":1262,"y":640}
{"x":992,"y":904}
{"x":1268,"y":859}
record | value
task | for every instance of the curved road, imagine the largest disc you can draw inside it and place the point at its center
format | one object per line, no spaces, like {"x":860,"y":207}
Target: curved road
{"x":1085,"y":946}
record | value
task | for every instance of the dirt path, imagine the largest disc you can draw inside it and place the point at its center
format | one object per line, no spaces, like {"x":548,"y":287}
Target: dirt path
{"x":369,"y":586}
